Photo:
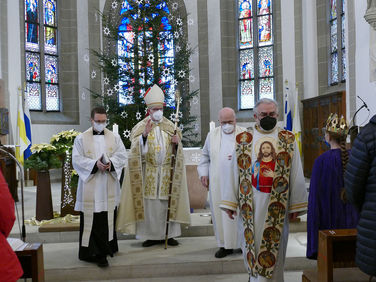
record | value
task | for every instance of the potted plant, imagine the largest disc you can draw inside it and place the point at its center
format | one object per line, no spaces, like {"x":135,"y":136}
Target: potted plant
{"x":63,"y":141}
{"x":42,"y":159}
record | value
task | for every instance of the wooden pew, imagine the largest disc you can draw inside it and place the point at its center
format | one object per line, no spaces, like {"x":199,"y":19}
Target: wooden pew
{"x":31,"y":259}
{"x":336,"y":258}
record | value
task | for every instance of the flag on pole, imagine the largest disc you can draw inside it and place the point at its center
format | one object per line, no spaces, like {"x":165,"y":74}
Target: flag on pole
{"x":27,"y":119}
{"x":287,"y":115}
{"x":296,"y":127}
{"x":22,"y":141}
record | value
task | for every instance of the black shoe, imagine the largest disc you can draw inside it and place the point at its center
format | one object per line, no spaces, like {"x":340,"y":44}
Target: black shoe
{"x":89,"y":259}
{"x":149,"y":243}
{"x":222,"y":252}
{"x":172,"y":242}
{"x":102,"y":262}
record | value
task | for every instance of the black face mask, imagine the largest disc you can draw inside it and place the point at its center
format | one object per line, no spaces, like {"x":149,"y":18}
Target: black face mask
{"x":268,"y":123}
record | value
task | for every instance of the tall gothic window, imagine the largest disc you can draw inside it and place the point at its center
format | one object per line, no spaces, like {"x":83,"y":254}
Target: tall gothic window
{"x":337,"y":63}
{"x":136,"y":41}
{"x":41,"y":55}
{"x":255,"y":42}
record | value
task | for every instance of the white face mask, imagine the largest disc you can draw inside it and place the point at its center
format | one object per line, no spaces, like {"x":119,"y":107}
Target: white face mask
{"x":228,"y":128}
{"x":157,"y":116}
{"x":99,"y":127}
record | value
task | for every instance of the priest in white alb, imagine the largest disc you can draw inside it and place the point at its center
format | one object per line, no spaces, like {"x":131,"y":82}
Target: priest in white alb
{"x":269,"y":188}
{"x":98,"y":157}
{"x":144,"y":200}
{"x":213,"y":169}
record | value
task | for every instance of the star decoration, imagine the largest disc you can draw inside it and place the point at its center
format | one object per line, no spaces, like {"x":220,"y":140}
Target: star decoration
{"x":93,"y":74}
{"x":151,"y":57}
{"x":138,"y":115}
{"x":110,"y":92}
{"x":178,"y":48}
{"x":106,"y":80}
{"x":176,"y":34}
{"x":173,"y":117}
{"x":117,"y":87}
{"x":139,"y":2}
{"x":190,"y":21}
{"x":180,"y":114}
{"x":166,"y":72}
{"x":179,"y":22}
{"x":181,"y":74}
{"x":191,"y":78}
{"x":174,"y":82}
{"x":124,"y":114}
{"x":114,"y":5}
{"x":106,"y":31}
{"x":175,"y":6}
{"x":114,"y":62}
{"x":181,"y":127}
{"x":126,"y":133}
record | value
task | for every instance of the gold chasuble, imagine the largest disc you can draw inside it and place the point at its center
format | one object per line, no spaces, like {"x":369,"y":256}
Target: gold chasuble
{"x":264,"y":262}
{"x":145,"y":179}
{"x":89,"y":186}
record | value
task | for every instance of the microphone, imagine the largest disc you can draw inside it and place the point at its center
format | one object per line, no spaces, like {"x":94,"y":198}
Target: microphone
{"x":364,"y":103}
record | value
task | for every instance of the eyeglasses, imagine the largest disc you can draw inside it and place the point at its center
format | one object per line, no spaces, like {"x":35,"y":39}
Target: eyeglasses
{"x":101,"y":121}
{"x":264,"y":114}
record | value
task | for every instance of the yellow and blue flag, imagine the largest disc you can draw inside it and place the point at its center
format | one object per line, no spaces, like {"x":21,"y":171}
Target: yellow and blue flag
{"x":287,"y":115}
{"x":23,"y":129}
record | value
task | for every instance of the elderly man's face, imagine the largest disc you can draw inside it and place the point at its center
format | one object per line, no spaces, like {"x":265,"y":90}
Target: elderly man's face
{"x":264,"y":110}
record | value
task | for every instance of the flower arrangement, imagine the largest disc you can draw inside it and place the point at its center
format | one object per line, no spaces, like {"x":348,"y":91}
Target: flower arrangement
{"x":43,"y":157}
{"x":63,"y":141}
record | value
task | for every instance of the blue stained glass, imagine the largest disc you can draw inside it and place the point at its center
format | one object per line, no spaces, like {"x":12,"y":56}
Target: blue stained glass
{"x":31,"y":37}
{"x":145,"y":47}
{"x":334,"y":68}
{"x":265,"y":30}
{"x":264,"y":7}
{"x":34,"y":97}
{"x":51,"y":71}
{"x":49,"y":12}
{"x":32,"y":67}
{"x":343,"y":5}
{"x":31,"y":10}
{"x":333,"y":9}
{"x":50,"y":45}
{"x":245,"y":9}
{"x":266,"y":61}
{"x":246,"y":64}
{"x":245,"y":33}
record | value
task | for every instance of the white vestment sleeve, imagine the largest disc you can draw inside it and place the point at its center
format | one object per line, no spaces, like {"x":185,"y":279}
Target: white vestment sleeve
{"x":298,"y":192}
{"x":203,"y":167}
{"x":230,"y":196}
{"x":119,"y":157}
{"x":81,"y":164}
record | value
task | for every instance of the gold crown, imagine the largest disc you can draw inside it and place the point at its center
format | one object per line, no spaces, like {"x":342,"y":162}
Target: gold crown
{"x":335,"y":125}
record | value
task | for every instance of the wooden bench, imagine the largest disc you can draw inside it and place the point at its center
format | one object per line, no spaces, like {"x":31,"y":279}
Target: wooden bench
{"x":31,"y":259}
{"x":336,"y":258}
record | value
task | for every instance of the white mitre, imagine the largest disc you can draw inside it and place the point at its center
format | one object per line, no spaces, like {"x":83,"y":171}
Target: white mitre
{"x":154,"y":97}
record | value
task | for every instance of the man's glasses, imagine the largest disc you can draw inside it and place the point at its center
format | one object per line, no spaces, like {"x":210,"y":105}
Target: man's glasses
{"x":264,"y":114}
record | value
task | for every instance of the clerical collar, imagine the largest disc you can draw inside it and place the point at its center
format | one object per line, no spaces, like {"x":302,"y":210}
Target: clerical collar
{"x":98,"y":133}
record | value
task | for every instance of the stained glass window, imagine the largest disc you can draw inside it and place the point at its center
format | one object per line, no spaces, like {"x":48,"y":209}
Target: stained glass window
{"x":41,"y":60}
{"x":256,"y":64}
{"x":161,"y":55}
{"x":337,"y":62}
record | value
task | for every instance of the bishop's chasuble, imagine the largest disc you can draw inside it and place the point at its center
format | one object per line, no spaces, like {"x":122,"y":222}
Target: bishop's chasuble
{"x":100,"y":191}
{"x":143,"y":206}
{"x":269,"y":184}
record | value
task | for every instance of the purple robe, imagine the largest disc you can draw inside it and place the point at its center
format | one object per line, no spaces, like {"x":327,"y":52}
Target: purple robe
{"x":326,"y":210}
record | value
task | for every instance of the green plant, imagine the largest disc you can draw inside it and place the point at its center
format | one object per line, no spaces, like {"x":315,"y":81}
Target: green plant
{"x":44,"y":157}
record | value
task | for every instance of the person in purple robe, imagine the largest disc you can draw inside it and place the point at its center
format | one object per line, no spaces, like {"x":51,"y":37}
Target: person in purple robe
{"x":327,"y":205}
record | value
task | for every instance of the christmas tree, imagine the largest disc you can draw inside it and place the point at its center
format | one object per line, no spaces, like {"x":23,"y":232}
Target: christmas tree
{"x":145,"y":43}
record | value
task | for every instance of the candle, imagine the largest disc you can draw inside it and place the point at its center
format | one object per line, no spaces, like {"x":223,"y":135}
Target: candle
{"x":211,"y":125}
{"x":115,"y":129}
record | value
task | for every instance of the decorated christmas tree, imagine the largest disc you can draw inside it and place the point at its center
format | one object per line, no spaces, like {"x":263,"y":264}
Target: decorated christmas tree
{"x":145,"y":43}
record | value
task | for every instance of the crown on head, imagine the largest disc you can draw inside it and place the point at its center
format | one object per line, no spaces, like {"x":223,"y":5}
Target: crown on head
{"x":336,"y":125}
